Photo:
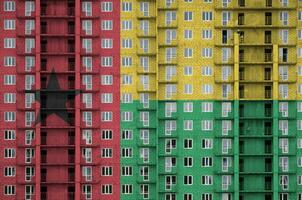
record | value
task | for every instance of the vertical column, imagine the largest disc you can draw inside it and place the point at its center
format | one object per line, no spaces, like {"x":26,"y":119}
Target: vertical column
{"x":37,"y":108}
{"x":275,"y":122}
{"x":157,"y":107}
{"x":77,"y":100}
{"x":236,"y":116}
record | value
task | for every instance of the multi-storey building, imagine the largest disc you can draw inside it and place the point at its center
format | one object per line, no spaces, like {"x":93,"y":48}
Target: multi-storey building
{"x":151,"y":99}
{"x":59,"y":99}
{"x":210,"y":94}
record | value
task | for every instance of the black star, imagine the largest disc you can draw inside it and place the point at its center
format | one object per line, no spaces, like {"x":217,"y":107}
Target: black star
{"x":53,"y":100}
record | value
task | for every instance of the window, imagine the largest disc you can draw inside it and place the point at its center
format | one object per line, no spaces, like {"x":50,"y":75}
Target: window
{"x":188,"y":89}
{"x":126,"y":98}
{"x":144,"y":8}
{"x":9,"y":116}
{"x":207,"y":89}
{"x":9,"y":97}
{"x":9,"y":6}
{"x":127,"y":116}
{"x":207,"y":196}
{"x":207,"y":16}
{"x":206,"y":162}
{"x":29,"y":136}
{"x":127,"y":61}
{"x":188,"y":180}
{"x":127,"y":134}
{"x":106,"y":98}
{"x":29,"y":62}
{"x":170,"y":54}
{"x":188,"y":70}
{"x":188,"y":52}
{"x":207,"y":143}
{"x":29,"y":26}
{"x":144,"y":154}
{"x":126,"y":25}
{"x":106,"y":134}
{"x":106,"y":153}
{"x":283,"y":35}
{"x":283,"y":91}
{"x":284,"y":181}
{"x":107,"y":189}
{"x":144,"y":26}
{"x":284,"y":17}
{"x":9,"y":24}
{"x":206,"y":125}
{"x":188,"y":125}
{"x":29,"y":118}
{"x":29,"y":7}
{"x":87,"y":81}
{"x":226,"y":54}
{"x":9,"y":153}
{"x":9,"y":189}
{"x":299,"y":162}
{"x":87,"y":136}
{"x":206,"y":52}
{"x":188,"y":34}
{"x":9,"y":61}
{"x":87,"y":63}
{"x":144,"y":118}
{"x":126,"y":79}
{"x":126,"y":43}
{"x":106,"y":61}
{"x":188,"y":16}
{"x":106,"y":79}
{"x":188,"y":106}
{"x":107,"y":25}
{"x":87,"y":173}
{"x":87,"y":8}
{"x":106,"y":6}
{"x":299,"y":177}
{"x":207,"y":34}
{"x":299,"y":106}
{"x":9,"y":135}
{"x":107,"y":43}
{"x":225,"y":182}
{"x":126,"y":189}
{"x":188,"y":161}
{"x":29,"y":173}
{"x":226,"y":17}
{"x":206,"y":180}
{"x":207,"y":106}
{"x":188,"y":143}
{"x":126,"y":171}
{"x":9,"y":171}
{"x":206,"y":71}
{"x":127,"y":6}
{"x":87,"y":27}
{"x":226,"y":145}
{"x":87,"y":45}
{"x":9,"y":43}
{"x":106,"y":116}
{"x":144,"y":136}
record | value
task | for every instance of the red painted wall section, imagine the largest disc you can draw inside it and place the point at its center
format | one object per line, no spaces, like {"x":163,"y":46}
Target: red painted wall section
{"x":58,"y":146}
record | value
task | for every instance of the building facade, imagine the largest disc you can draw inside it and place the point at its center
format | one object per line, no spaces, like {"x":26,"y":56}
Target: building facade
{"x":151,"y":99}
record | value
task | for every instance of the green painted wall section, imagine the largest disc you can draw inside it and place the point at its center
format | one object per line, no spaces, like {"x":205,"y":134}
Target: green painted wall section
{"x":255,"y":138}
